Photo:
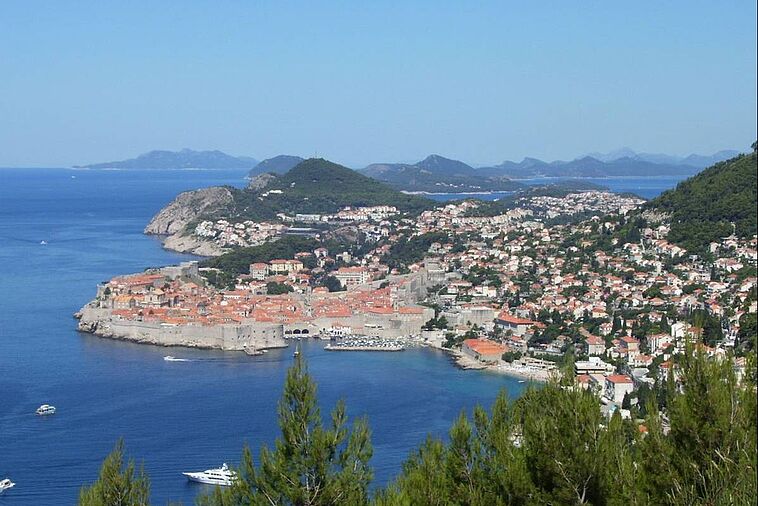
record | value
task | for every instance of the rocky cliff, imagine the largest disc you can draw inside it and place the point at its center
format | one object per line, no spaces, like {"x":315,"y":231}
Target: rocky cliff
{"x":187,"y":207}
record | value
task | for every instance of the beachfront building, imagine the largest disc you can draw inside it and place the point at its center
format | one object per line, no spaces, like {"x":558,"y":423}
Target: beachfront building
{"x":483,"y":350}
{"x":592,"y":366}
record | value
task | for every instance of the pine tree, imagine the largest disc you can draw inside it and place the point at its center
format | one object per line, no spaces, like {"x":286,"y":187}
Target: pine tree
{"x":713,"y":433}
{"x":311,"y":465}
{"x":116,"y":485}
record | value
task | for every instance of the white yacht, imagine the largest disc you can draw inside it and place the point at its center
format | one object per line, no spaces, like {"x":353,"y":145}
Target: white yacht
{"x":5,"y":485}
{"x":222,"y":476}
{"x":45,"y":409}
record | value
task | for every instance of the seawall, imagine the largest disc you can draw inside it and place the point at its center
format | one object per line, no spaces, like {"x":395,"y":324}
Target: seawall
{"x":233,"y":337}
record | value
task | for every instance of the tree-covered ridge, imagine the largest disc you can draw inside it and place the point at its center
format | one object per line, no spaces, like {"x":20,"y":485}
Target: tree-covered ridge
{"x":317,"y":186}
{"x":719,"y":201}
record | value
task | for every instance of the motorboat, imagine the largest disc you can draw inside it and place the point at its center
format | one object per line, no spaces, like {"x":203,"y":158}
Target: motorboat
{"x":5,"y":485}
{"x":221,"y":476}
{"x":45,"y":409}
{"x":171,"y":358}
{"x":43,"y":243}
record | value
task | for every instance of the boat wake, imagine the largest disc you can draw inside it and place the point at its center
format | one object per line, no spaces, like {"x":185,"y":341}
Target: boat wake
{"x":169,"y":358}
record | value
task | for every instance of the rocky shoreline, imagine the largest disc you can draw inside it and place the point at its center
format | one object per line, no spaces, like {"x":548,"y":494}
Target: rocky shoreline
{"x":171,"y":222}
{"x":466,"y":363}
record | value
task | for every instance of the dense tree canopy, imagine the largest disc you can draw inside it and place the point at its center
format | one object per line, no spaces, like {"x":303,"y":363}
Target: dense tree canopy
{"x":713,"y":204}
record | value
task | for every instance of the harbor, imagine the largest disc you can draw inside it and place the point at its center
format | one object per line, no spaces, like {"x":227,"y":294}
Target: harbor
{"x":366,"y":343}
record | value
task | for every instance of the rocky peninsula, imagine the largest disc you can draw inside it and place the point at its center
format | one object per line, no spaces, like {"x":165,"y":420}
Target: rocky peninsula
{"x":174,"y":222}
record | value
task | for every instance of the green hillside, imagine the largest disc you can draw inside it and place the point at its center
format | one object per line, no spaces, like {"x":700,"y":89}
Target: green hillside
{"x":320,"y":186}
{"x":713,"y":204}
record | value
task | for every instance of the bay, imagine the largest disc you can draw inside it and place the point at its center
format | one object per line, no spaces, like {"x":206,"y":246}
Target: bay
{"x":173,"y":416}
{"x":645,"y":187}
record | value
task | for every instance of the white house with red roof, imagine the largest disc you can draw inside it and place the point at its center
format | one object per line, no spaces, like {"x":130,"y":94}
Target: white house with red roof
{"x":517,"y":325}
{"x":616,"y":386}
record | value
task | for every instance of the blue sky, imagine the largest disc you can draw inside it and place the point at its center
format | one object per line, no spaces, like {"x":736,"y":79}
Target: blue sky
{"x":361,"y":82}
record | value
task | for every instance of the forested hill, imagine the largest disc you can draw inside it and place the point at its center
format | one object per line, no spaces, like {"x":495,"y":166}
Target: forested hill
{"x":319,"y":186}
{"x":719,"y":201}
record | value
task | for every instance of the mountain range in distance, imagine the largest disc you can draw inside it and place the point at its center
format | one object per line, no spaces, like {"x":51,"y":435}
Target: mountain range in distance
{"x":693,"y":160}
{"x":437,"y":174}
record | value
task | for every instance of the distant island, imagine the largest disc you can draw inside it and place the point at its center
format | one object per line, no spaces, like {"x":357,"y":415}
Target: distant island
{"x":184,"y":159}
{"x":437,"y":174}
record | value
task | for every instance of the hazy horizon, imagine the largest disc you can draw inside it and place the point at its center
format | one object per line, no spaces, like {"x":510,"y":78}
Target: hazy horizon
{"x":384,"y":82}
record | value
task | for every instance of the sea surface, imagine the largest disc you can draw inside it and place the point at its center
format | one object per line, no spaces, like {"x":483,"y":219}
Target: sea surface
{"x":173,"y":416}
{"x":645,"y":187}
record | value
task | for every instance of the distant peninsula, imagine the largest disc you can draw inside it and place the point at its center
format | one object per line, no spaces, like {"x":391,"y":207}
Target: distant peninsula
{"x":184,"y":159}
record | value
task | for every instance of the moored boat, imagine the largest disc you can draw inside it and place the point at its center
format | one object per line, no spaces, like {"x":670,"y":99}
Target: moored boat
{"x":221,"y":476}
{"x":252,"y":351}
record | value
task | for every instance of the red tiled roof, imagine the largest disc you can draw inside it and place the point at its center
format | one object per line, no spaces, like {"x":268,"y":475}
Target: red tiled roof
{"x":484,"y":346}
{"x":514,"y":320}
{"x":618,"y":378}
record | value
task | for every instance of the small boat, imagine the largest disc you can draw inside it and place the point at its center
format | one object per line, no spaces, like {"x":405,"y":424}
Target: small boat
{"x":252,"y":351}
{"x":5,"y":485}
{"x":221,"y":476}
{"x":171,"y":358}
{"x":522,"y":381}
{"x":297,"y":352}
{"x":43,"y":243}
{"x":45,"y":409}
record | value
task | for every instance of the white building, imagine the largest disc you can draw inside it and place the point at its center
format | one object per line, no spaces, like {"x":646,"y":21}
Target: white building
{"x":616,"y":386}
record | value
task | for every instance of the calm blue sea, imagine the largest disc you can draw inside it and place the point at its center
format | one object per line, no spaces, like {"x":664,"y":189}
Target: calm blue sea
{"x":646,"y":187}
{"x":173,"y":416}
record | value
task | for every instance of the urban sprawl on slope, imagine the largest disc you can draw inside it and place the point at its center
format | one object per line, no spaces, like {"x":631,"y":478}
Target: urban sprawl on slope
{"x":519,"y":292}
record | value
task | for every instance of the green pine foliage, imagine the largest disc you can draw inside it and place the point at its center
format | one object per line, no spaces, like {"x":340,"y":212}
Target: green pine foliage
{"x":551,"y":446}
{"x":117,"y":485}
{"x":720,"y":200}
{"x":408,"y":250}
{"x":312,"y":464}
